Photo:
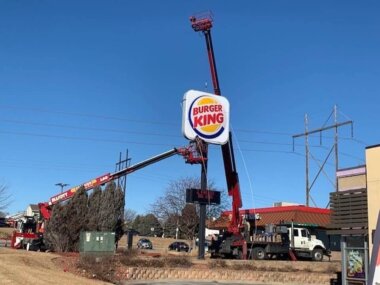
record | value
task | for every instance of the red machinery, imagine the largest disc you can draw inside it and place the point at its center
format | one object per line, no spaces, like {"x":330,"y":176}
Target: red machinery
{"x":190,"y":154}
{"x":203,"y":23}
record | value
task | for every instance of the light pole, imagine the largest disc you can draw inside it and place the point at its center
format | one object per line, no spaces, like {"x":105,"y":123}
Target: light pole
{"x":61,"y":185}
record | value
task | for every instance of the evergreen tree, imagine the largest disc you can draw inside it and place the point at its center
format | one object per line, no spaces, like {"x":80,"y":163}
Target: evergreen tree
{"x":103,"y":211}
{"x":94,"y":209}
{"x":56,"y":232}
{"x":76,"y":221}
{"x":153,"y":224}
{"x":171,"y":225}
{"x":119,"y":212}
{"x":136,"y":223}
{"x":112,"y":210}
{"x":148,"y":225}
{"x":107,"y":220}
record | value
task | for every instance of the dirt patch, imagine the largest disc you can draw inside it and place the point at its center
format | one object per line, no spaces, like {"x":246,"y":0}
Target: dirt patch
{"x":26,"y":267}
{"x":5,"y":233}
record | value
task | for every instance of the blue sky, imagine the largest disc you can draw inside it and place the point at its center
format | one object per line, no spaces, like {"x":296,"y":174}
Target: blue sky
{"x":82,"y":81}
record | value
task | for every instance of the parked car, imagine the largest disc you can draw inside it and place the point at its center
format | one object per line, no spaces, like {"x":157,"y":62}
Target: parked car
{"x":179,"y":246}
{"x":144,"y":243}
{"x":3,"y":222}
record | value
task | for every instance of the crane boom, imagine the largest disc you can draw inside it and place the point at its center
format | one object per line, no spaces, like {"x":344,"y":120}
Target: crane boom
{"x":203,"y":23}
{"x":144,"y":163}
{"x":190,"y":154}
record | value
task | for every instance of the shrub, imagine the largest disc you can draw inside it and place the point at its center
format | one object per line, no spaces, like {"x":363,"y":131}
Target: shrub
{"x":98,"y":267}
{"x":133,"y":260}
{"x":129,"y":253}
{"x":244,"y":266}
{"x":331,"y":268}
{"x":177,"y":261}
{"x":217,"y":263}
{"x":288,"y":268}
{"x":239,"y":266}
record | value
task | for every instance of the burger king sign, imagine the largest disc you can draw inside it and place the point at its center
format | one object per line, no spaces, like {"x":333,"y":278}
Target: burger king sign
{"x":205,"y":115}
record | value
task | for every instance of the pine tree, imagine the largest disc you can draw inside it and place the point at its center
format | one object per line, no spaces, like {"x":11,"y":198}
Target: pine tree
{"x":119,"y":213}
{"x":107,"y":211}
{"x":77,"y":217}
{"x":145,"y":224}
{"x":56,"y":232}
{"x":94,"y":208}
{"x":136,"y":223}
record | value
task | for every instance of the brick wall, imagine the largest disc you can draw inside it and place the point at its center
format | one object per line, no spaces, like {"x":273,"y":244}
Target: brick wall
{"x":141,"y":273}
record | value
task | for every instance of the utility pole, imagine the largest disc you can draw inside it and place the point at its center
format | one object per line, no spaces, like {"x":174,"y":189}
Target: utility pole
{"x":122,"y":164}
{"x":62,"y":185}
{"x":307,"y":160}
{"x":336,"y":146}
{"x":306,"y":134}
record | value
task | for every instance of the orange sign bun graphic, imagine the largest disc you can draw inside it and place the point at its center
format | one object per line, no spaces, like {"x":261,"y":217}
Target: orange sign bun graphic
{"x":206,"y":117}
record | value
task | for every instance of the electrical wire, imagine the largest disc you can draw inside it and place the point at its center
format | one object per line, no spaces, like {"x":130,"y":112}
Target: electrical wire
{"x":328,"y":119}
{"x":55,"y":112}
{"x":247,"y":175}
{"x":81,"y":138}
{"x":87,"y":128}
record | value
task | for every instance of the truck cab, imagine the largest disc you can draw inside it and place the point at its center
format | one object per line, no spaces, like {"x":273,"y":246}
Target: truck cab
{"x":306,"y":245}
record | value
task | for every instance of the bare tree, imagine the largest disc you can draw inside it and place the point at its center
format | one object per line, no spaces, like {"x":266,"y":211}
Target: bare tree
{"x":129,"y":217}
{"x":169,"y":207}
{"x":189,"y":222}
{"x":4,"y":197}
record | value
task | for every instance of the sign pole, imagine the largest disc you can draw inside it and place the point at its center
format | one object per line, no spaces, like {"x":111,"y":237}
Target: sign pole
{"x":202,"y":214}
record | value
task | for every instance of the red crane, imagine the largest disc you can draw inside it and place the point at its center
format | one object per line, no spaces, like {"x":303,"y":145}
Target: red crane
{"x":190,"y":153}
{"x":203,"y":23}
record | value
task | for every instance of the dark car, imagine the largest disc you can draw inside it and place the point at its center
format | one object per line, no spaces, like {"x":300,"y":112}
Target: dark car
{"x":144,"y":243}
{"x":179,"y":246}
{"x":3,"y":222}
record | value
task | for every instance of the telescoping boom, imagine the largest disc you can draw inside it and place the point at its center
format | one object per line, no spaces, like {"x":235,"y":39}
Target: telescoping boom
{"x":189,"y":153}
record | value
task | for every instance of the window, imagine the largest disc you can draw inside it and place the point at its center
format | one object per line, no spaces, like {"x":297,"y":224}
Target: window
{"x":303,"y":233}
{"x":295,"y":232}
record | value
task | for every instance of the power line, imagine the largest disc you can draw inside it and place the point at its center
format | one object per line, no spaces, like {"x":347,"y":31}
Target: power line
{"x":263,"y":132}
{"x":155,"y":144}
{"x":55,"y":112}
{"x":87,"y":128}
{"x":81,"y":138}
{"x":146,"y":133}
